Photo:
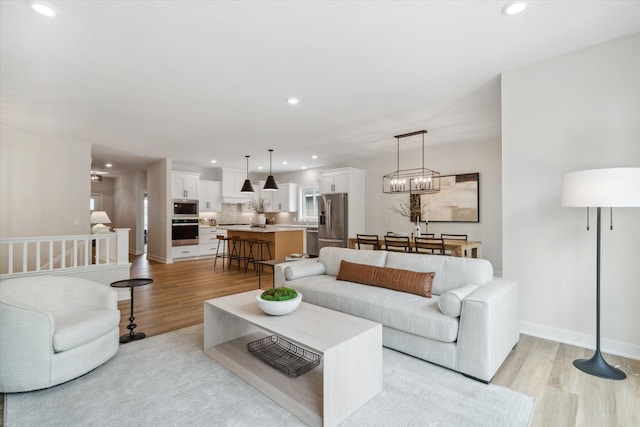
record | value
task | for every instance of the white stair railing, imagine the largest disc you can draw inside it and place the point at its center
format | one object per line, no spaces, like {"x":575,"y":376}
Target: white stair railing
{"x":54,"y":254}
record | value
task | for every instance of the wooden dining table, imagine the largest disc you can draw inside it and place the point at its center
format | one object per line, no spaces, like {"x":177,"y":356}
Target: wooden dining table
{"x":459,"y":248}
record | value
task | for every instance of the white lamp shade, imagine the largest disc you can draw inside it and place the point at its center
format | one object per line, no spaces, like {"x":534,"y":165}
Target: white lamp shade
{"x":99,"y":217}
{"x":615,"y":187}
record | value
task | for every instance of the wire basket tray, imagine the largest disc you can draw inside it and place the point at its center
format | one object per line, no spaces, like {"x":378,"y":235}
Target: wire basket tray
{"x":283,"y":355}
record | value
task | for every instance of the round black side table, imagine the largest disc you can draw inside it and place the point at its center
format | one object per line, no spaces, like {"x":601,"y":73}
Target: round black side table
{"x":131,"y":283}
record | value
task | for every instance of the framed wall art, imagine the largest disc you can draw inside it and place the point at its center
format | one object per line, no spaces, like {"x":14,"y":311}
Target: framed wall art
{"x":457,"y":201}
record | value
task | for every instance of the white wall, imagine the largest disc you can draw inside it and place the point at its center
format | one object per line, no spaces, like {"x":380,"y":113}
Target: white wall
{"x":44,"y":185}
{"x":448,"y":159}
{"x":576,"y":111}
{"x":159,"y":206}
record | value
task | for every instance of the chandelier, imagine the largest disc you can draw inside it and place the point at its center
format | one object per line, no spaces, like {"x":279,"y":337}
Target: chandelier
{"x":414,"y":181}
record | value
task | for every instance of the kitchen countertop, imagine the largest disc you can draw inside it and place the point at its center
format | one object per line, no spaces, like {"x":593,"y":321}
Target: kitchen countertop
{"x":268,"y":229}
{"x":305,"y":226}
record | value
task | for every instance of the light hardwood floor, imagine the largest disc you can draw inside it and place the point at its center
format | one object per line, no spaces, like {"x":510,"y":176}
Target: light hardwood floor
{"x":541,"y":368}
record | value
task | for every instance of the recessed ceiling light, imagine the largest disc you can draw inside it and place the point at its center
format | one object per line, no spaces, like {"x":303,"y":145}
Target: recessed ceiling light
{"x":214,"y":161}
{"x":314,"y":157}
{"x":303,"y":168}
{"x":43,"y":8}
{"x":260,"y":167}
{"x":514,"y":7}
{"x":285,"y":162}
{"x":108,"y":165}
{"x":292,"y":100}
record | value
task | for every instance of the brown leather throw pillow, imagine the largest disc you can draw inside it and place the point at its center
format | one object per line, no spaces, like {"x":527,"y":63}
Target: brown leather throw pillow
{"x":413,"y":282}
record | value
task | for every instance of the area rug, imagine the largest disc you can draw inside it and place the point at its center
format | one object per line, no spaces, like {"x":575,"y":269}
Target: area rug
{"x":168,"y":380}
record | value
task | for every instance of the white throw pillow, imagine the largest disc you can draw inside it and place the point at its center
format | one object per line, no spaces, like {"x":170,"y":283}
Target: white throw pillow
{"x":303,"y":269}
{"x":450,"y":302}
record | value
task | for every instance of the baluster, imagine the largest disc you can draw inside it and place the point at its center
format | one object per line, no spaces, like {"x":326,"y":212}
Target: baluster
{"x":24,"y":257}
{"x":50,"y":254}
{"x":10,"y":257}
{"x":86,"y":251}
{"x":38,"y":255}
{"x":63,"y":261}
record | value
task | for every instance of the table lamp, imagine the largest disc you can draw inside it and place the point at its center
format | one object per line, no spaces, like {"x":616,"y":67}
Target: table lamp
{"x":99,"y":218}
{"x":614,"y":187}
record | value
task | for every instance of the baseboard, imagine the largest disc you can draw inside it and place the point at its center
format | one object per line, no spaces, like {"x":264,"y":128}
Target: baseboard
{"x":159,"y":259}
{"x":619,"y":348}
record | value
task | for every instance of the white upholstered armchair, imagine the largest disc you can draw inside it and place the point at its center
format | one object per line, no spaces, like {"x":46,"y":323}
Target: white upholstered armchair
{"x":54,"y":329}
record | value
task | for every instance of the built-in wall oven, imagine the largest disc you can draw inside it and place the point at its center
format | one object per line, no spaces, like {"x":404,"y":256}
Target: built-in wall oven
{"x":184,"y":231}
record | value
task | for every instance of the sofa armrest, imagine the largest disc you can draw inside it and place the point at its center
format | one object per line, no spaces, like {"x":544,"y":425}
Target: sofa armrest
{"x":91,"y":296}
{"x":489,"y":328}
{"x":26,"y":348}
{"x":297,"y":269}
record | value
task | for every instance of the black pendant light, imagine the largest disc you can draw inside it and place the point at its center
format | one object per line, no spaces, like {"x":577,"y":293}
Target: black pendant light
{"x":270,"y":185}
{"x":247,"y":187}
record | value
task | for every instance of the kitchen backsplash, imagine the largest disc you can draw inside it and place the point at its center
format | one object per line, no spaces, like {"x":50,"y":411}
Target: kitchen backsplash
{"x":234,"y":214}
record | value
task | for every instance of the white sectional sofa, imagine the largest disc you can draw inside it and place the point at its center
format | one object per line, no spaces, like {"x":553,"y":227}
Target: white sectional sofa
{"x":474,"y":337}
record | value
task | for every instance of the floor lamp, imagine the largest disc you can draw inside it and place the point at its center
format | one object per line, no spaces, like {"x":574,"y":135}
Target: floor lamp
{"x":616,"y":187}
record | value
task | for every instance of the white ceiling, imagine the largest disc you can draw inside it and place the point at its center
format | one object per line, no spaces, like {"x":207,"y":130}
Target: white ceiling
{"x":200,"y":80}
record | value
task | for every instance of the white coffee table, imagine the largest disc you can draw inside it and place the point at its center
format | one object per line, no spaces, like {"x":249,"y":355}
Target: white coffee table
{"x":351,"y":348}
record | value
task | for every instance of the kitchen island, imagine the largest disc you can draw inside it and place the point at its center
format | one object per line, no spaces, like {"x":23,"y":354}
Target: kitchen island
{"x":283,"y":241}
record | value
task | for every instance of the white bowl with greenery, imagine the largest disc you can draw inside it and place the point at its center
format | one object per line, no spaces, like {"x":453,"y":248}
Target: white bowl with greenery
{"x":279,"y":301}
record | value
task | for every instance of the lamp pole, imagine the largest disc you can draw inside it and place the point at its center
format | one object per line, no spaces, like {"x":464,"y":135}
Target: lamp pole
{"x":597,"y":365}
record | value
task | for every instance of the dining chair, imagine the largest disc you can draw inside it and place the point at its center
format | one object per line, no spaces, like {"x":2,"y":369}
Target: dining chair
{"x":397,"y":243}
{"x":368,"y":240}
{"x":429,"y":245}
{"x":428,"y":235}
{"x":452,"y":237}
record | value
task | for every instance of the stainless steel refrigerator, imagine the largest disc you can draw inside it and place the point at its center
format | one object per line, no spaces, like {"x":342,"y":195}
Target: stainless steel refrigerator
{"x":332,"y":221}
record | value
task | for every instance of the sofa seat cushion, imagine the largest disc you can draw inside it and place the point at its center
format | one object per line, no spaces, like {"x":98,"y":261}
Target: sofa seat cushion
{"x":80,"y":327}
{"x":399,"y":310}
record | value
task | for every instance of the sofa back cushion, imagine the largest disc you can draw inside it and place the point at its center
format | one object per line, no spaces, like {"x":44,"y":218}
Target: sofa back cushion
{"x":412,"y":282}
{"x":57,"y":294}
{"x":331,"y":258}
{"x":450,"y":272}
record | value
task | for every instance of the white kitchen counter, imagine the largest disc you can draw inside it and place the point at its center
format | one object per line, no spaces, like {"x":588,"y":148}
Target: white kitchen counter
{"x":269,"y":229}
{"x":304,"y":226}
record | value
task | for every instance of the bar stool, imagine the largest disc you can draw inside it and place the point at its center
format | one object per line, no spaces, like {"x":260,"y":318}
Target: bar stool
{"x":238,"y":250}
{"x":225,"y":253}
{"x":256,"y":253}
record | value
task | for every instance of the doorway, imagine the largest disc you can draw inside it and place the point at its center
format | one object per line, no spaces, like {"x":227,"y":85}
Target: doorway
{"x":145,"y":221}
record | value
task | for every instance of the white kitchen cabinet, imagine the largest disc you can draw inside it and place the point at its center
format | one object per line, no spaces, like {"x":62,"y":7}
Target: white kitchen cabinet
{"x":209,"y":196}
{"x":344,"y":180}
{"x":232,"y":180}
{"x":209,"y":242}
{"x":189,"y":251}
{"x":335,"y":181}
{"x":286,"y":198}
{"x":283,"y":200}
{"x":184,"y":185}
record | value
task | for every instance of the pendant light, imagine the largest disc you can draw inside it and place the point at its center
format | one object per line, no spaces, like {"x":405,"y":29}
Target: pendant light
{"x":413,"y":181}
{"x":270,"y":185}
{"x":247,"y":187}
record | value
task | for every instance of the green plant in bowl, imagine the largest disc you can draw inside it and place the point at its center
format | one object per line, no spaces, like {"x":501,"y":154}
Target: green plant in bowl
{"x":279,"y":294}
